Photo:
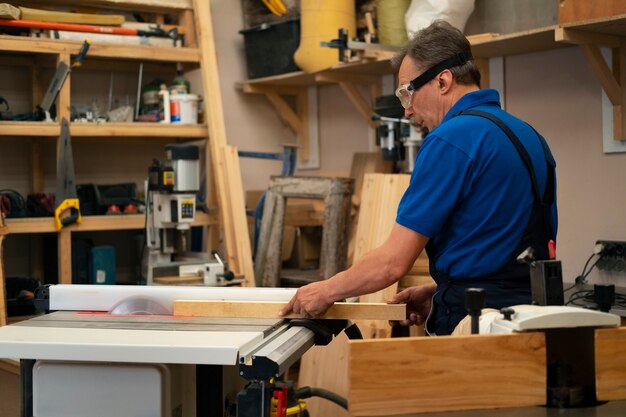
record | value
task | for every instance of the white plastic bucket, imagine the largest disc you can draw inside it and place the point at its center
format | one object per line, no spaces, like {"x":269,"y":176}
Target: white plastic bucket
{"x":184,"y":108}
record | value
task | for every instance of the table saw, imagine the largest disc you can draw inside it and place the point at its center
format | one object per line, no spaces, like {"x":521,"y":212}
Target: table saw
{"x":81,"y":359}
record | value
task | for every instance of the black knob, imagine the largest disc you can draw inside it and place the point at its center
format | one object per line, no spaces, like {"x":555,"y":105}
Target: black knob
{"x":474,"y":301}
{"x":228,"y":275}
{"x":507,"y":312}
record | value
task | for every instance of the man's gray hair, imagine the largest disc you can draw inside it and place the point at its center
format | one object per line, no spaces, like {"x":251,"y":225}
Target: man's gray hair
{"x":436,"y":43}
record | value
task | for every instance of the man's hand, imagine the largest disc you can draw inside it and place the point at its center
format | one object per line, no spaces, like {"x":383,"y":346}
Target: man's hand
{"x":418,"y":300}
{"x":311,"y":300}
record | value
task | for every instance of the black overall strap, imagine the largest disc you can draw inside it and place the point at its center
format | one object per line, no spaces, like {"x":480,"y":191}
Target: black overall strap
{"x":519,"y":147}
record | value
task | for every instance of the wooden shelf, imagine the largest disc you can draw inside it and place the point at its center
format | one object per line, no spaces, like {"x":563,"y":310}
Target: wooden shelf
{"x":138,"y":129}
{"x":483,"y":46}
{"x":124,"y":52}
{"x":109,"y":130}
{"x":94,"y":223}
{"x":528,"y":41}
{"x":29,"y":129}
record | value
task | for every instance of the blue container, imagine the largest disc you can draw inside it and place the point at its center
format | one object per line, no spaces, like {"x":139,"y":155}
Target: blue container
{"x":102,"y":265}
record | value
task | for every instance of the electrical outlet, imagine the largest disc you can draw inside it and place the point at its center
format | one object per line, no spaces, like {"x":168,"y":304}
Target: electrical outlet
{"x":612,"y":255}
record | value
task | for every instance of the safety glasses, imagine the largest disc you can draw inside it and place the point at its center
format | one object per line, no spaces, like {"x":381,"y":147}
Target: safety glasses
{"x":405,"y":91}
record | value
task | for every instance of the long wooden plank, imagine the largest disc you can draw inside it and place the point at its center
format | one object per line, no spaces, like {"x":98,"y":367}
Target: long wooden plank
{"x":427,"y":374}
{"x":70,"y":17}
{"x":270,"y":309}
{"x":380,"y":198}
{"x":3,"y":305}
{"x":610,"y":357}
{"x":237,"y":208}
{"x":231,"y":205}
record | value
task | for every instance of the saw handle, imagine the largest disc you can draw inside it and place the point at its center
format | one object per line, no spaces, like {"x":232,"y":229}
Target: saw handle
{"x":73,"y":206}
{"x":81,"y":54}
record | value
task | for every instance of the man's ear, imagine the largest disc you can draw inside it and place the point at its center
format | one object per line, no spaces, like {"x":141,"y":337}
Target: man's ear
{"x":445,"y":81}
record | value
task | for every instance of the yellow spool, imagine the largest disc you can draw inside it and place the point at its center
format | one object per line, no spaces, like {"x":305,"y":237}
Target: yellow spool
{"x":320,"y":21}
{"x":391,"y":28}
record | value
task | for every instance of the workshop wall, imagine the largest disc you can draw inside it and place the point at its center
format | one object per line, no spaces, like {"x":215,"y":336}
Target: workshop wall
{"x":558,"y":94}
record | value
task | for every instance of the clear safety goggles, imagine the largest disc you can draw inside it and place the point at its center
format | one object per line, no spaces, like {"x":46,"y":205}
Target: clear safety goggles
{"x":405,"y":91}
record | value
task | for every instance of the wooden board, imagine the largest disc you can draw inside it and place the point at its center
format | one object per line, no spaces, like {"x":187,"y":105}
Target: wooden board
{"x":9,"y":12}
{"x":577,"y":10}
{"x":379,"y":204}
{"x":3,"y":306}
{"x":68,"y":17}
{"x":327,"y":367}
{"x":610,"y":357}
{"x":270,"y":309}
{"x":226,"y":177}
{"x":427,"y":374}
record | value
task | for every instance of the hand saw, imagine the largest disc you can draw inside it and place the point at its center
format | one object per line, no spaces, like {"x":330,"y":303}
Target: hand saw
{"x":59,"y":78}
{"x":66,"y":197}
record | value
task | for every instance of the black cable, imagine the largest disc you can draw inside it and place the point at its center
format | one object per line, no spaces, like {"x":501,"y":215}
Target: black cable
{"x":308,"y":392}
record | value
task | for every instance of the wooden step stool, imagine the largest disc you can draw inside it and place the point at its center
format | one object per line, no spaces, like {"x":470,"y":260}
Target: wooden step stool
{"x":336,"y":193}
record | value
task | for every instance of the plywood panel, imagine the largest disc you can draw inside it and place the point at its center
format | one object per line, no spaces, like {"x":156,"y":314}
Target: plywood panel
{"x":610,"y":356}
{"x":426,"y":374}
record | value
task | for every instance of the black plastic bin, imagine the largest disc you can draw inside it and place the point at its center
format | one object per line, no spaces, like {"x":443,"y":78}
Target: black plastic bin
{"x":270,"y":48}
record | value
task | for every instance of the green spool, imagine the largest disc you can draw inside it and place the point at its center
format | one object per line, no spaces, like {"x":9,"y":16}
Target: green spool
{"x":391,"y":28}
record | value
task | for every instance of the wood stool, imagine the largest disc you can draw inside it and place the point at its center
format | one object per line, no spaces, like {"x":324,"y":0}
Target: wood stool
{"x":336,"y":193}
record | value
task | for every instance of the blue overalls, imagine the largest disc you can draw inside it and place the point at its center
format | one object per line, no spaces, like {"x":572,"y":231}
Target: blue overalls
{"x":510,"y":284}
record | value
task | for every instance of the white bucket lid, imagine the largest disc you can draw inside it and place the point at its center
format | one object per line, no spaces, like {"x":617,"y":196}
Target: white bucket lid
{"x":184,"y":97}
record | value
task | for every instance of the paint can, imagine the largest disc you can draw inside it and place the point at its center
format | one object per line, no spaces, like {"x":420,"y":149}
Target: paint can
{"x":184,"y":108}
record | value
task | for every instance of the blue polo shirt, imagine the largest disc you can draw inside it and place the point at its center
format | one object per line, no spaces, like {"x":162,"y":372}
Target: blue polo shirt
{"x":470,"y":192}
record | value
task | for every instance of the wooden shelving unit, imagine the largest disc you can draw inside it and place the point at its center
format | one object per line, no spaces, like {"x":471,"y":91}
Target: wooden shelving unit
{"x":38,"y":54}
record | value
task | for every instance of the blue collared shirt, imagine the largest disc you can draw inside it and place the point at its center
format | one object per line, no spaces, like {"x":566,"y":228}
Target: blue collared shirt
{"x":470,"y":192}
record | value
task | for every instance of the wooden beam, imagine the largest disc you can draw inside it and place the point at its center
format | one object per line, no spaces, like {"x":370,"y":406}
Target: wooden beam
{"x":428,"y":374}
{"x":3,"y":297}
{"x":363,"y":107}
{"x":270,"y":309}
{"x":217,"y":139}
{"x":243,"y":250}
{"x":64,"y":250}
{"x":603,"y":73}
{"x":186,"y":21}
{"x":581,"y":37}
{"x":610,"y":364}
{"x":285,"y":112}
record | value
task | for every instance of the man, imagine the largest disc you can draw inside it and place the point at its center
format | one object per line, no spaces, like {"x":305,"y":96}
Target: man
{"x":482,"y":191}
